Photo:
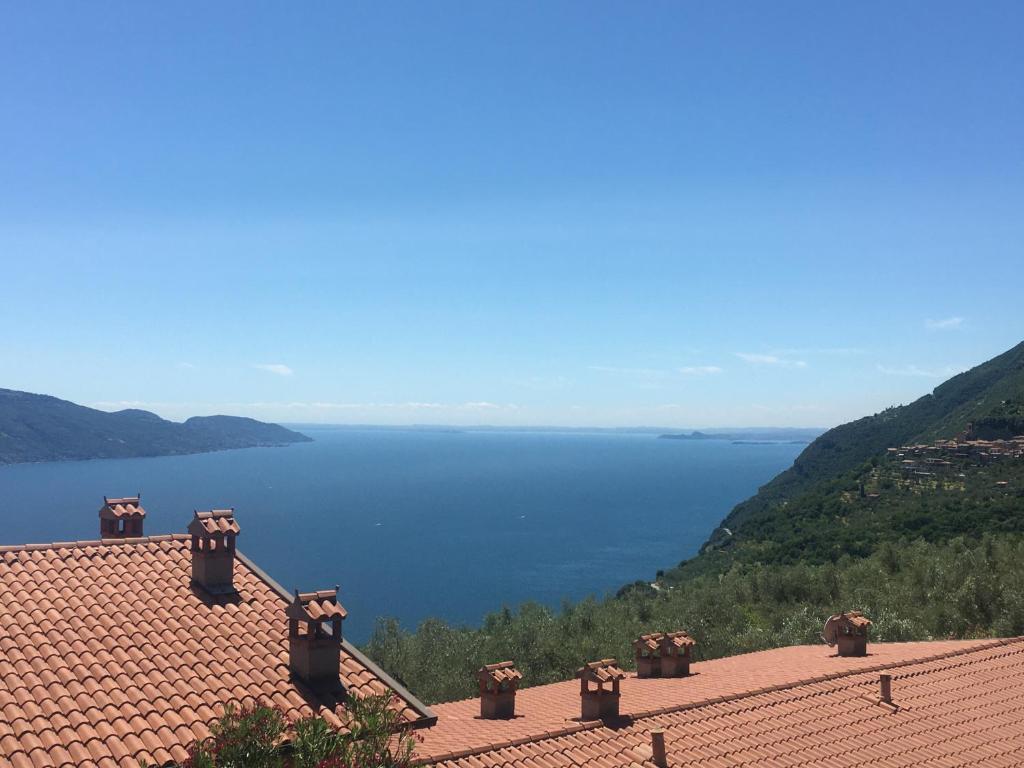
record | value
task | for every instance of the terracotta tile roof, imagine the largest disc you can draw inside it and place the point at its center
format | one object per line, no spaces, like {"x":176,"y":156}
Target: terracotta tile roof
{"x":956,"y":703}
{"x":215,"y":521}
{"x":129,"y":506}
{"x":108,"y":656}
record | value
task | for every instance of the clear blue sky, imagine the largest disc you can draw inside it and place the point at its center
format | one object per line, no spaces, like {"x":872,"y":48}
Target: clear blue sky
{"x":683,"y":214}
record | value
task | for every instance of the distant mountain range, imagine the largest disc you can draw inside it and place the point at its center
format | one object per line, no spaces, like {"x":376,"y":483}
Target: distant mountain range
{"x":44,"y":428}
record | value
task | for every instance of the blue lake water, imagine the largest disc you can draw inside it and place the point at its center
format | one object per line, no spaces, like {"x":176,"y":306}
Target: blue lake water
{"x":421,"y":523}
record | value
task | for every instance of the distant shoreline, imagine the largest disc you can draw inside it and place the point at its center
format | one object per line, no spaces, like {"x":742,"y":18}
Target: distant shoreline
{"x":72,"y":460}
{"x":779,"y":434}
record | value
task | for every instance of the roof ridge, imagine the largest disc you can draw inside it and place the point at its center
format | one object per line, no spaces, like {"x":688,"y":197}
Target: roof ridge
{"x":93,"y":543}
{"x":983,"y":645}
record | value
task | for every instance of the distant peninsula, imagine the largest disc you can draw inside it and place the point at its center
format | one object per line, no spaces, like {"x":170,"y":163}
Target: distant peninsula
{"x":43,"y":428}
{"x":751,"y":436}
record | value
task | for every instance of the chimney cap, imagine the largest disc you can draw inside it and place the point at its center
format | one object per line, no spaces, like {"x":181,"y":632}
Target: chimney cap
{"x":122,"y":507}
{"x":502,"y":672}
{"x":845,"y":623}
{"x":649,"y":643}
{"x":214,"y":522}
{"x":680,"y":639}
{"x":321,"y":605}
{"x":603,"y":671}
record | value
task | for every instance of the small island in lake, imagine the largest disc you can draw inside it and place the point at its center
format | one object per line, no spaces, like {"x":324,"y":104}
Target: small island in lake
{"x":750,"y":435}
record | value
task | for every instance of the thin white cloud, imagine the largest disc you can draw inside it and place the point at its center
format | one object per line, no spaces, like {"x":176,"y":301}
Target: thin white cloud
{"x":757,"y":358}
{"x":913,"y":370}
{"x":185,"y":366}
{"x":655,"y":378}
{"x":276,"y":368}
{"x":946,"y":324}
{"x":647,"y":373}
{"x":699,"y":370}
{"x":825,"y":351}
{"x":797,"y":408}
{"x":544,"y":383}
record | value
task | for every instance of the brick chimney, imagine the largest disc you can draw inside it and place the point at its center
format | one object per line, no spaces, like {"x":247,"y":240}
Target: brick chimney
{"x":648,"y":654}
{"x":121,"y":518}
{"x":848,"y":632}
{"x":213,"y":550}
{"x":314,"y":637}
{"x":599,"y":702}
{"x":498,"y":684}
{"x":675,"y":653}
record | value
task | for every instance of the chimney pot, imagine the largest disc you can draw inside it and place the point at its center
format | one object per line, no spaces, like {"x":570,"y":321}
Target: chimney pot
{"x":213,"y":550}
{"x":498,"y":684}
{"x":599,"y":702}
{"x":122,"y":518}
{"x":658,"y":748}
{"x":314,"y":638}
{"x":885,"y":686}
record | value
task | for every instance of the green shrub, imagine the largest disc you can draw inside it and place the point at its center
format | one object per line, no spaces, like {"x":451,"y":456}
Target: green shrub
{"x":258,"y":736}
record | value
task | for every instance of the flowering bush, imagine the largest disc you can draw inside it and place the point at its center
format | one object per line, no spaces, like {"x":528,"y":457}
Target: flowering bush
{"x":259,"y":736}
{"x":248,"y":737}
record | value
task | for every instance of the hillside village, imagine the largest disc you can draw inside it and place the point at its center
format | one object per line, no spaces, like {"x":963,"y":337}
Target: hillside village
{"x":944,"y":458}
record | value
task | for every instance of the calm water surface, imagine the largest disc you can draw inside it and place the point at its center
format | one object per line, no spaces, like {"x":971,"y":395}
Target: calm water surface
{"x":417,"y":523}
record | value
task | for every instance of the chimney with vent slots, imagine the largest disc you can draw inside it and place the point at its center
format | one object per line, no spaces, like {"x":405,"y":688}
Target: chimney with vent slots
{"x":213,"y":550}
{"x":676,"y":650}
{"x":121,"y":518}
{"x":648,"y":654}
{"x":498,"y":684}
{"x":314,"y":638}
{"x":600,"y":702}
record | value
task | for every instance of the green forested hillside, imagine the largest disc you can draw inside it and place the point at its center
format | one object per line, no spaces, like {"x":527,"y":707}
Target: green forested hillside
{"x":845,"y":528}
{"x":801,"y":513}
{"x":805,"y":496}
{"x":963,"y":588}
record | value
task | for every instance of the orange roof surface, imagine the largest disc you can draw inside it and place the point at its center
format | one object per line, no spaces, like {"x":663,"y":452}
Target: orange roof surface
{"x":955,"y":703}
{"x":109,"y":656}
